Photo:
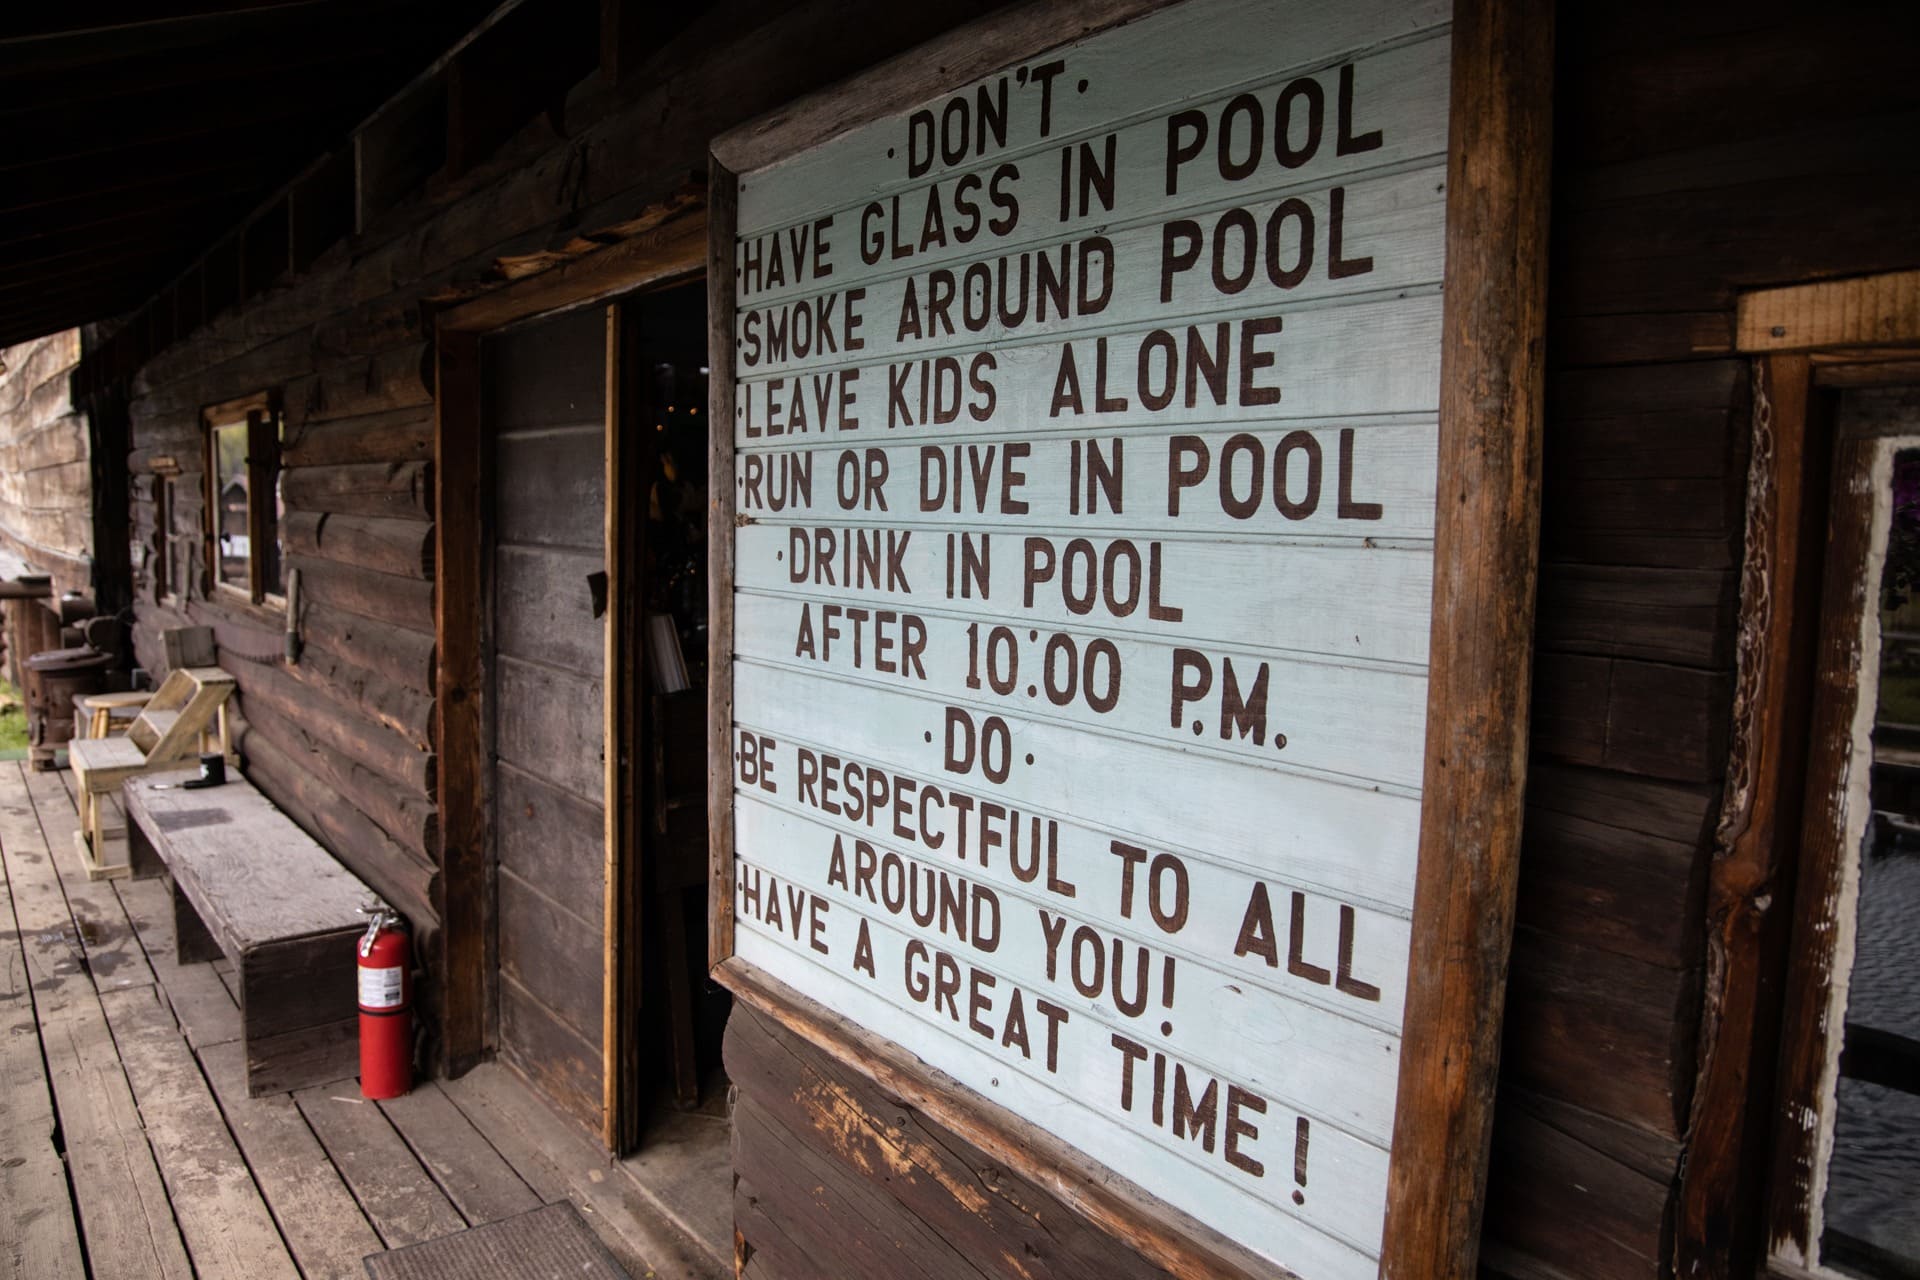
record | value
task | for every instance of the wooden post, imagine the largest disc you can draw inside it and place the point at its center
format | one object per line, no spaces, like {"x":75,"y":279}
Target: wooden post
{"x":1748,"y":884}
{"x":460,"y":684}
{"x":723,"y":212}
{"x":1480,"y":680}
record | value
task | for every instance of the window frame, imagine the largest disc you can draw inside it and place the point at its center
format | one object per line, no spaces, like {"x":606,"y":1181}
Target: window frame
{"x":260,"y":413}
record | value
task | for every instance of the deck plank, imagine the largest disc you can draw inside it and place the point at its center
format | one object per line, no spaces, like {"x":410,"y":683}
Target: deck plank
{"x":399,"y":1196}
{"x":559,"y":1161}
{"x":228,"y":1229}
{"x":318,"y":1215}
{"x":114,"y":957}
{"x":479,"y":1181}
{"x":39,"y":1239}
{"x":220,"y":1211}
{"x":205,"y":1008}
{"x":123,"y":1207}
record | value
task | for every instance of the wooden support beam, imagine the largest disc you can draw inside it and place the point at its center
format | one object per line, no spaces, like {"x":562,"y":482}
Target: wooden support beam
{"x":1480,"y":678}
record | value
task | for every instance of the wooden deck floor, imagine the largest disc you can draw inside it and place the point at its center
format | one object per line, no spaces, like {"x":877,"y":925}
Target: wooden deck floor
{"x":128,"y":1147}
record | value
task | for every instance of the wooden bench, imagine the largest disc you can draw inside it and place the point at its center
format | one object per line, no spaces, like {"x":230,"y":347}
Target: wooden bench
{"x":250,"y":885}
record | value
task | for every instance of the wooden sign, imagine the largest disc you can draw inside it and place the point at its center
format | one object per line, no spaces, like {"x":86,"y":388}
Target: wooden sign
{"x":1075,"y":650}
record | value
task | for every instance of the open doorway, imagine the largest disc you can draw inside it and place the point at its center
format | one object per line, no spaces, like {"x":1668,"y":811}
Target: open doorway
{"x":678,"y":1015}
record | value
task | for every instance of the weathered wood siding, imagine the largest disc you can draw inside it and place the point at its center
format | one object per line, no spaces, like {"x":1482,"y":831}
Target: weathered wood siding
{"x":1699,"y":150}
{"x":46,"y":507}
{"x":835,"y":1180}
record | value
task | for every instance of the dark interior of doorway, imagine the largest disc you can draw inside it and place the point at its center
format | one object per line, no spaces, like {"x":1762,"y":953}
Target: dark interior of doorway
{"x":682,"y":1014}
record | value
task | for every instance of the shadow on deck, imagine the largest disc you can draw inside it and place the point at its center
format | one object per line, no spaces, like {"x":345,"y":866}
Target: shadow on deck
{"x":128,"y":1146}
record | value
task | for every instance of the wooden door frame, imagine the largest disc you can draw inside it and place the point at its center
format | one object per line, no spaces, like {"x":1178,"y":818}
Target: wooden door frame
{"x":670,"y":250}
{"x":1742,"y":1145}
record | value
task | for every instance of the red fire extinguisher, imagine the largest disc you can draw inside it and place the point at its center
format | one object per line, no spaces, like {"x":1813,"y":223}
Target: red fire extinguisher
{"x":386,"y":1007}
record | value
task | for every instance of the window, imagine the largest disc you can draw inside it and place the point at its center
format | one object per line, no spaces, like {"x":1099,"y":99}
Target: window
{"x":1849,"y":1159}
{"x":243,"y":501}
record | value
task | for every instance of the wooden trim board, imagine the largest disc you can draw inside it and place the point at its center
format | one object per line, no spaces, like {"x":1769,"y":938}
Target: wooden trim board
{"x":1877,"y":310}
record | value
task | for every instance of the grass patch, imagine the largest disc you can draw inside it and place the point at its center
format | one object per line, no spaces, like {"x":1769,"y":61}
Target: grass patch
{"x":13,"y":723}
{"x":1899,"y":698}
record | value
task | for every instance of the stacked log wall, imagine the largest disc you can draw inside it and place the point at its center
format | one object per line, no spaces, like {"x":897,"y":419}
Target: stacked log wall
{"x":46,"y":506}
{"x":1699,"y":150}
{"x":342,"y":740}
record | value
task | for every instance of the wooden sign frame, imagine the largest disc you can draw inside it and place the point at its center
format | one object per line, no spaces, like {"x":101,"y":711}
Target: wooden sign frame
{"x":1486,"y":542}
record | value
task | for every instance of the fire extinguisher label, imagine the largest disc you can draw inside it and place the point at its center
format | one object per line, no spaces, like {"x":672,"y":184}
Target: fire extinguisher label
{"x":380,"y":988}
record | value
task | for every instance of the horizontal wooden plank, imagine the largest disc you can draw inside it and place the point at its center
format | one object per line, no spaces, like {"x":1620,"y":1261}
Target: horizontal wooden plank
{"x":1880,"y":310}
{"x":1351,"y":841}
{"x":543,"y":607}
{"x":1137,"y":69}
{"x":549,"y":837}
{"x":1601,"y":1030}
{"x":538,"y":720}
{"x":1675,"y":616}
{"x":1643,"y":718}
{"x":550,"y":488}
{"x":552,"y":950}
{"x":396,"y":435}
{"x":1319,"y":357}
{"x":1339,"y":598}
{"x":1680,"y":812}
{"x":1618,"y":890}
{"x":551,"y":1056}
{"x":392,"y":489}
{"x":1300,"y":482}
{"x":382,"y":544}
{"x":1362,"y":721}
{"x":405,"y":602}
{"x":400,"y":378}
{"x":1556,"y":1206}
{"x":401,"y":654}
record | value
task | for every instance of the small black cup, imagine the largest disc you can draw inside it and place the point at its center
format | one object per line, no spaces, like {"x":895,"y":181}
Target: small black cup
{"x":213,"y":772}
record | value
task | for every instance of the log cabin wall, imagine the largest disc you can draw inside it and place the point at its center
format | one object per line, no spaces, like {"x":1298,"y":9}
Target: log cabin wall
{"x":1699,"y":150}
{"x":514,"y":156}
{"x":46,"y":507}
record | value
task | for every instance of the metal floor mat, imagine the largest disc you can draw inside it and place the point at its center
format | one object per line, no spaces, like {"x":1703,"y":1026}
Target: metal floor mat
{"x":549,"y":1243}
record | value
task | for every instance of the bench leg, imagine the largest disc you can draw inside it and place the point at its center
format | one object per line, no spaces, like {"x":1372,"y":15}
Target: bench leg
{"x":191,"y":941}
